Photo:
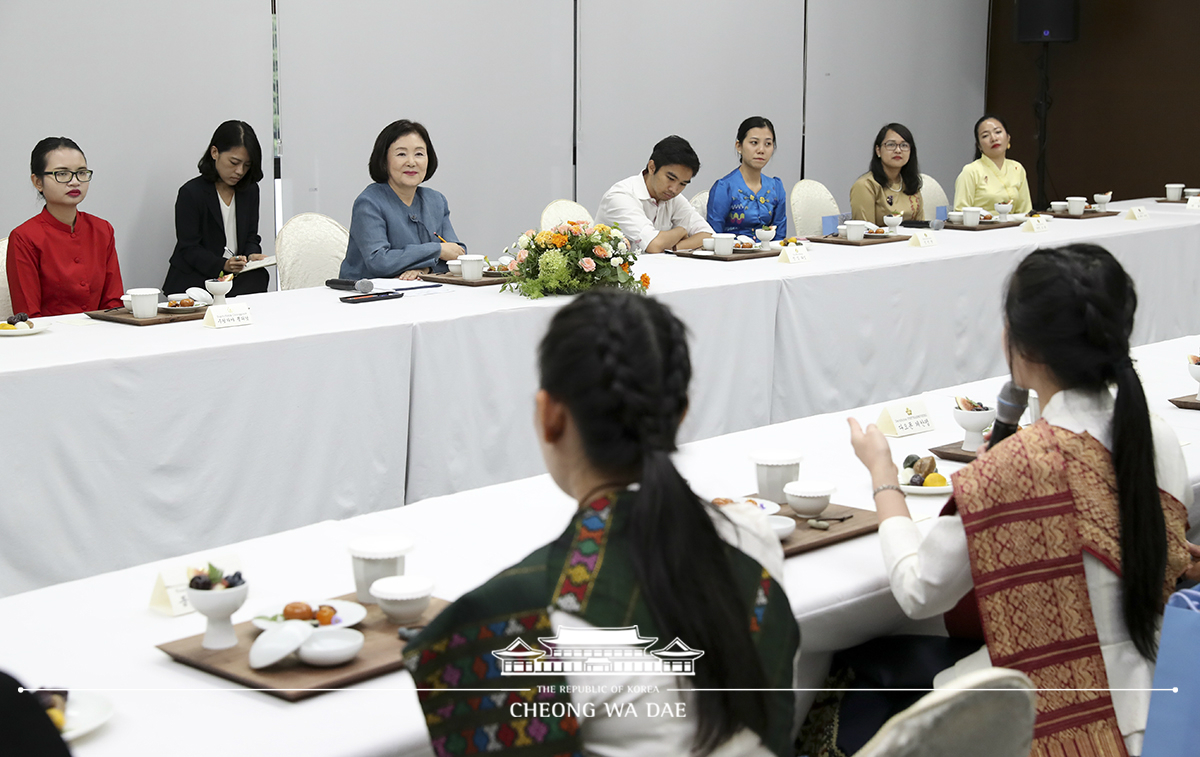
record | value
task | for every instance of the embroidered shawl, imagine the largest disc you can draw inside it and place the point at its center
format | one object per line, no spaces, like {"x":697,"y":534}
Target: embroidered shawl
{"x":1031,"y":507}
{"x":588,"y":572}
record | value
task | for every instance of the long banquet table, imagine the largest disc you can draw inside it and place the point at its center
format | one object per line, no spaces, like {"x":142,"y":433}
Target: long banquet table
{"x":98,"y":634}
{"x":139,"y":443}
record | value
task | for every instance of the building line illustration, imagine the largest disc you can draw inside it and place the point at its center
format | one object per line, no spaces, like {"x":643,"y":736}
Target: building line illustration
{"x":597,"y":651}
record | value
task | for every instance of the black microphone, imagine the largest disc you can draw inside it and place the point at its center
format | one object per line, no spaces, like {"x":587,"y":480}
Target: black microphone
{"x":1010,"y":404}
{"x":350,"y":285}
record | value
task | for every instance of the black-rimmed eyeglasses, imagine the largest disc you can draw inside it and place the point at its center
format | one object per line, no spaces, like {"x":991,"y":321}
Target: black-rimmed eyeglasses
{"x":63,"y":176}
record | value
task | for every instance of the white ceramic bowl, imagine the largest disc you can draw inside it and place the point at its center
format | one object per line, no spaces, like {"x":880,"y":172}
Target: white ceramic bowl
{"x":455,"y":267}
{"x":277,"y":643}
{"x":841,"y":231}
{"x":216,"y":287}
{"x":954,"y":216}
{"x":973,"y":422}
{"x":1102,"y":199}
{"x":200,"y":294}
{"x":217,"y":606}
{"x":1194,"y":370}
{"x":708,"y":243}
{"x":331,"y":647}
{"x":1191,"y":193}
{"x":1058,"y":206}
{"x":809,"y":499}
{"x":782,"y":525}
{"x":1003,"y":209}
{"x":765,"y":235}
{"x":403,"y":598}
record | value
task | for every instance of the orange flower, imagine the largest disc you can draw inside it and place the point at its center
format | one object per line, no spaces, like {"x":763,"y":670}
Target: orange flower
{"x":559,"y":240}
{"x":645,"y":281}
{"x":625,"y":267}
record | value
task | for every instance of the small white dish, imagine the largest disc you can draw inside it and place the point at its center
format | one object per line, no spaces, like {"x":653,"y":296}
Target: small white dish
{"x":163,"y":307}
{"x":765,"y":505}
{"x":199,"y":294}
{"x":703,"y":253}
{"x":775,"y":246}
{"x":809,"y":499}
{"x":403,"y":599}
{"x":455,"y":267}
{"x":37,"y":328}
{"x":1187,"y":192}
{"x":708,"y":243}
{"x":86,"y":711}
{"x":841,"y":231}
{"x":333,"y":647}
{"x":955,"y":217}
{"x":1058,"y":206}
{"x":272,"y":646}
{"x":782,"y":525}
{"x":348,"y":614}
{"x":744,"y":238}
{"x":908,"y":489}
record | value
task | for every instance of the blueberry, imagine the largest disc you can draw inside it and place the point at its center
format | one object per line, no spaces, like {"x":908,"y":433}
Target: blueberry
{"x":200,"y":582}
{"x":234,"y":580}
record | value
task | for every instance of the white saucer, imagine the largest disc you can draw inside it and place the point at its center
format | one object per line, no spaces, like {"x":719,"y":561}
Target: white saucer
{"x":926,"y":489}
{"x":37,"y":329}
{"x":348,"y":614}
{"x":86,"y":711}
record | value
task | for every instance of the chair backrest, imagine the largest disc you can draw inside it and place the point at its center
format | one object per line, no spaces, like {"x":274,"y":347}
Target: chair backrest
{"x":5,"y":299}
{"x":561,"y":211}
{"x":309,"y":250}
{"x":811,"y":202}
{"x":988,"y":713}
{"x":700,"y":203}
{"x":932,"y":195}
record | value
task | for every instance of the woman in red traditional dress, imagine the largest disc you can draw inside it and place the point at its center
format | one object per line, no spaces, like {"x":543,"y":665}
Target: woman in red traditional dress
{"x":1066,"y":538}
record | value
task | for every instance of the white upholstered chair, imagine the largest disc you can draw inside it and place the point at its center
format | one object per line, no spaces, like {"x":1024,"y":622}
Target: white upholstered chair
{"x":932,"y":195}
{"x":5,"y":299}
{"x":309,"y":250}
{"x":561,"y":211}
{"x":810,"y":202}
{"x":988,"y":713}
{"x":700,"y":203}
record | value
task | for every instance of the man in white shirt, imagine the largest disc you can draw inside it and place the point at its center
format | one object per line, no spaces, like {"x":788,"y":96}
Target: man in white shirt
{"x":649,"y":207}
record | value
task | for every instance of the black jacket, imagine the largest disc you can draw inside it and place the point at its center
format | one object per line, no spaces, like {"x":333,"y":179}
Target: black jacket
{"x":200,"y":239}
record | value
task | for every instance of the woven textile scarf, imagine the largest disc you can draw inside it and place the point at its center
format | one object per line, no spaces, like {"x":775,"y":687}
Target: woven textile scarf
{"x":1031,"y":508}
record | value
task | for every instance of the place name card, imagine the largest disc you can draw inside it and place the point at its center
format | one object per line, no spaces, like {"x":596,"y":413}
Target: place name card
{"x":224,"y":316}
{"x":922,"y":238}
{"x":169,"y":595}
{"x":905,"y":419}
{"x":1036,"y":224}
{"x":1138,"y":213}
{"x":1193,"y":203}
{"x":794,"y":253}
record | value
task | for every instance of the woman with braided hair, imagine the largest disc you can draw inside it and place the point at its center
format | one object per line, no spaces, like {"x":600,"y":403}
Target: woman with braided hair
{"x":1066,"y":538}
{"x":646,"y":574}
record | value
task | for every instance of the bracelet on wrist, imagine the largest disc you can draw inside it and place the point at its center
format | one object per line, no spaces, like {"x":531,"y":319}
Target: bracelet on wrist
{"x":885,"y":487}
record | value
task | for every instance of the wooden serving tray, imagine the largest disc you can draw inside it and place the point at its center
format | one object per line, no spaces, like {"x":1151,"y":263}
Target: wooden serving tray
{"x":1086,"y":214}
{"x":450,"y":278}
{"x":735,"y":256}
{"x":805,"y":539}
{"x":953,"y":452}
{"x":122,"y":315}
{"x":866,"y":241}
{"x":983,"y":225}
{"x":1172,"y":202}
{"x":1187,"y":402}
{"x":291,"y":679}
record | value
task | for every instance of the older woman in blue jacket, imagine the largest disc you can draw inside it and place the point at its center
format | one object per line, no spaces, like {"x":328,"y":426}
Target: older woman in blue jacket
{"x":399,"y":228}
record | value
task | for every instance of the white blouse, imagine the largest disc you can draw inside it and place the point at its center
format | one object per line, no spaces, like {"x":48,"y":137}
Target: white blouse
{"x":930,"y":575}
{"x":229,"y":218}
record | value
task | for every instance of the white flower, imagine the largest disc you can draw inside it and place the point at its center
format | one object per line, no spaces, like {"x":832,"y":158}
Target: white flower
{"x":621,"y":246}
{"x":595,"y":238}
{"x":523,"y":242}
{"x":617,"y":234}
{"x":607,"y":248}
{"x":617,"y":262}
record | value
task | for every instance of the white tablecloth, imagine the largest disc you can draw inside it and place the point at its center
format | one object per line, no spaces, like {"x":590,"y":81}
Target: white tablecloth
{"x":138,"y":443}
{"x":97,"y":633}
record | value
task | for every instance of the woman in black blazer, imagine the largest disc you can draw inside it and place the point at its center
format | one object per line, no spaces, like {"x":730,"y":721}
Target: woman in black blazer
{"x":223,"y":197}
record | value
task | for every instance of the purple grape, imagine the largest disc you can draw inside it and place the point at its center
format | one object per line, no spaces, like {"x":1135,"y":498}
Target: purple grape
{"x":200,"y":582}
{"x":234,"y":580}
{"x":916,"y":480}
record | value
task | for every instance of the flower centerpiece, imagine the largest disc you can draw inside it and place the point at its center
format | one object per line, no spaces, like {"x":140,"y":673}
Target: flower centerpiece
{"x":570,"y":258}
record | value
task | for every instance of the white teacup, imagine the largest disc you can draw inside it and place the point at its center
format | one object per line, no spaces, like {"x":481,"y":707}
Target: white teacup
{"x":455,"y":266}
{"x":723,"y":243}
{"x":1102,"y":200}
{"x":1002,"y":211}
{"x":472,"y":267}
{"x":1075,"y":205}
{"x":955,"y":217}
{"x":774,"y":470}
{"x":973,"y":422}
{"x":970,"y":216}
{"x":855,"y":230}
{"x":708,"y":243}
{"x":841,"y":231}
{"x":1174,"y":191}
{"x":892,"y":222}
{"x":143,"y":302}
{"x":1058,"y":206}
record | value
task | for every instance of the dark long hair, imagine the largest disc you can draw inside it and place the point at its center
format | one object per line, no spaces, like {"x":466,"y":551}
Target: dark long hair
{"x":229,"y":135}
{"x":619,"y":362}
{"x":1071,"y":309}
{"x":910,"y":174}
{"x":975,"y":131}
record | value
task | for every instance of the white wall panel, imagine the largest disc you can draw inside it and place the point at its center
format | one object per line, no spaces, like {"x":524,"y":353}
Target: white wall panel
{"x":696,"y":69}
{"x":140,"y":86}
{"x":921,"y":63}
{"x":490,"y":81}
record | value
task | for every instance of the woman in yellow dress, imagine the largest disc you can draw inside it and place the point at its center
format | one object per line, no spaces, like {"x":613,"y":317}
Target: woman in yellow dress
{"x":993,"y":177}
